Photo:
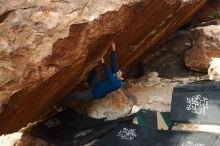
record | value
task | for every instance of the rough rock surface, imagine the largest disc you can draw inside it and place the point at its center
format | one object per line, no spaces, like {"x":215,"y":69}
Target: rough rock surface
{"x":21,"y":139}
{"x":48,"y":46}
{"x":168,"y":61}
{"x":206,"y":44}
{"x":207,"y":12}
{"x":113,"y":106}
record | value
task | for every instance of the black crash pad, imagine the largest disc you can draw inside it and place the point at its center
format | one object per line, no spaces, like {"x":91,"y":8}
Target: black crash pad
{"x":126,"y":135}
{"x":175,"y":138}
{"x":81,"y":137}
{"x":196,"y":102}
{"x":133,"y":135}
{"x":68,"y":128}
{"x":52,"y":127}
{"x":147,"y":119}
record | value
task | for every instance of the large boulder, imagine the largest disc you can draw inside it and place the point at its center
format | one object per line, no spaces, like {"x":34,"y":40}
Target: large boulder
{"x":47,"y":47}
{"x":206,"y":44}
{"x":115,"y":105}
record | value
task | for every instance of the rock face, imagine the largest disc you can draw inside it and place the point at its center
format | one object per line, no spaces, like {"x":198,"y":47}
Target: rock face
{"x":168,"y":60}
{"x":21,"y":138}
{"x":47,"y":47}
{"x":207,"y":12}
{"x":206,"y":44}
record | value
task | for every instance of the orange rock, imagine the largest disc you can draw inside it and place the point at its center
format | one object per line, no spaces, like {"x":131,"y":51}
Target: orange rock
{"x":206,"y":42}
{"x":113,"y":106}
{"x":50,"y":46}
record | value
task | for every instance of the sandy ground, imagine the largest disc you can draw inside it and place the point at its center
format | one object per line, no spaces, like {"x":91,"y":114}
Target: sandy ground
{"x":155,"y":93}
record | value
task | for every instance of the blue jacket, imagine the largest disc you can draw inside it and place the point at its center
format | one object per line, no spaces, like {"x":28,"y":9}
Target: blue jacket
{"x":103,"y":87}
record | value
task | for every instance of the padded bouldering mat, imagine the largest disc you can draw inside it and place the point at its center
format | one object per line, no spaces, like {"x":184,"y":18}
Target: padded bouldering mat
{"x":68,"y":128}
{"x":196,"y":102}
{"x":126,"y":135}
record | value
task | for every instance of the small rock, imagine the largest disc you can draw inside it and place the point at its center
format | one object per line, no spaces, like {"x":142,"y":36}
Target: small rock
{"x":214,"y":69}
{"x":152,"y":74}
{"x":135,"y":109}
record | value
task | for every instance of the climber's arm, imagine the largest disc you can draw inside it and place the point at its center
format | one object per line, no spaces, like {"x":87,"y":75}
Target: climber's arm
{"x":113,"y":59}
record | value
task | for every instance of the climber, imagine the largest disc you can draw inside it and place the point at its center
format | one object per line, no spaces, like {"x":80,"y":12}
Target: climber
{"x":99,"y":88}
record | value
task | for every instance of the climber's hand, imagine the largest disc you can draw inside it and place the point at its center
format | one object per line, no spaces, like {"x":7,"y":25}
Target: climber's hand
{"x":113,"y":46}
{"x":102,"y":60}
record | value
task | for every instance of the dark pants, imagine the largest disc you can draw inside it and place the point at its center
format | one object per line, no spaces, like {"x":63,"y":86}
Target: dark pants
{"x":82,"y":95}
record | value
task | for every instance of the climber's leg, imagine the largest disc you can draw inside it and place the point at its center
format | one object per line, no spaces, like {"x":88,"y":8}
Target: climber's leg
{"x":77,"y":95}
{"x":95,"y":77}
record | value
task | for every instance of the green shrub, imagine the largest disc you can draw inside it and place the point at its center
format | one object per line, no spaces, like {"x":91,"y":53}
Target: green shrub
{"x":216,"y":14}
